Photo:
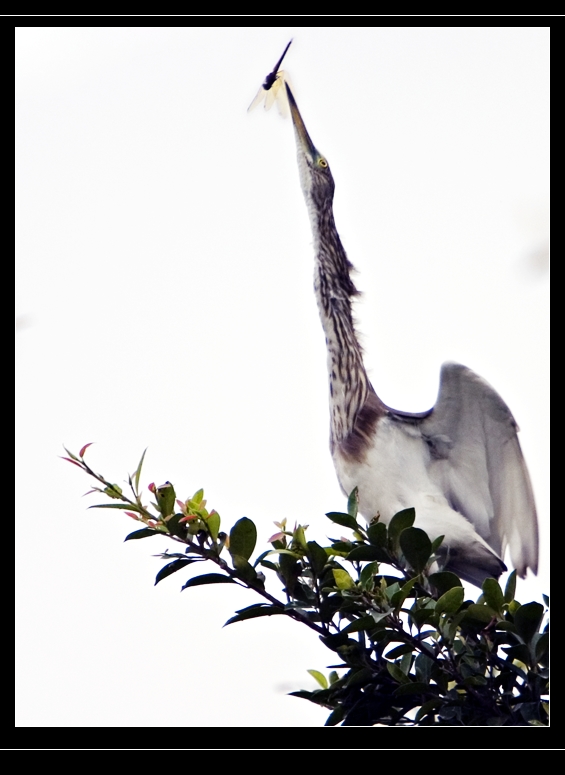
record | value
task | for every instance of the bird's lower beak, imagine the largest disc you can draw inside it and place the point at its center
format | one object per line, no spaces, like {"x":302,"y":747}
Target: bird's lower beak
{"x":302,"y":137}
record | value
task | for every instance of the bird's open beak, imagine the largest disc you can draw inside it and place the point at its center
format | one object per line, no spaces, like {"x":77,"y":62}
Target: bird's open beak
{"x":302,"y":136}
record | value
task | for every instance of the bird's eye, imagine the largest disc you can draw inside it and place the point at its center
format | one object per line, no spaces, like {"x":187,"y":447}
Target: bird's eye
{"x":323,"y":163}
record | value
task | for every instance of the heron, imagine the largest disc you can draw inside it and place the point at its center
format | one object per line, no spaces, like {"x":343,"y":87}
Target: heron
{"x":459,"y":464}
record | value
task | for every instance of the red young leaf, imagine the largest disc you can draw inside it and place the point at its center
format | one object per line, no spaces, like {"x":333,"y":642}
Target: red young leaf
{"x":71,"y":461}
{"x":83,"y":450}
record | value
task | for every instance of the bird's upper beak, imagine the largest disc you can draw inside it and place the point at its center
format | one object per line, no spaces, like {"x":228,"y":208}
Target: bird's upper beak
{"x":303,"y":140}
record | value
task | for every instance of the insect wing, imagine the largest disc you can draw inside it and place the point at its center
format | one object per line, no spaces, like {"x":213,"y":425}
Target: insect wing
{"x":280,"y":96}
{"x":277,"y":93}
{"x":271,"y":95}
{"x":258,"y":99}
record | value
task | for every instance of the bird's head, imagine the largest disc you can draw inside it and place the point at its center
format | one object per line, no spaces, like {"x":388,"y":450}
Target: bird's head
{"x":315,"y":175}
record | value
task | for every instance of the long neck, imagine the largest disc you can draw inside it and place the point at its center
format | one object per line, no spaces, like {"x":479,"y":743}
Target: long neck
{"x":349,"y":384}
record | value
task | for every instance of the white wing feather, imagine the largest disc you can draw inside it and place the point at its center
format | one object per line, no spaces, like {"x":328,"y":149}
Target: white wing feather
{"x":479,"y":464}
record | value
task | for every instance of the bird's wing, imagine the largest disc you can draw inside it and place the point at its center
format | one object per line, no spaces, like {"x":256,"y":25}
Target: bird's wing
{"x":479,"y":464}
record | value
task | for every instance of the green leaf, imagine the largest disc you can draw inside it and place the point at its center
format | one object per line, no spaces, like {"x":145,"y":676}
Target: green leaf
{"x":266,"y":564}
{"x":450,"y":601}
{"x":145,"y":532}
{"x":243,"y":537}
{"x":341,"y":548}
{"x":113,"y":491}
{"x":377,"y":534}
{"x":423,"y":666}
{"x":520,"y":652}
{"x":70,"y":454}
{"x":282,"y":551}
{"x":137,"y":472}
{"x":513,"y":606}
{"x":399,"y":597}
{"x":542,"y":645}
{"x":353,"y":503}
{"x":342,"y":579}
{"x":358,"y":677}
{"x":424,"y":616}
{"x":165,"y":495}
{"x":345,"y":520}
{"x":213,"y":523}
{"x":208,"y":578}
{"x":334,"y":642}
{"x":367,"y":574}
{"x":364,"y":623}
{"x":392,"y":588}
{"x":414,"y":687}
{"x":254,"y":611}
{"x":406,"y":663}
{"x":335,"y":716}
{"x":172,"y":567}
{"x":378,"y":617}
{"x":303,"y":694}
{"x":427,"y":707}
{"x":480,"y":613}
{"x":319,"y":696}
{"x":416,"y":547}
{"x":198,"y":497}
{"x":505,"y":626}
{"x":395,"y":671}
{"x":317,"y":556}
{"x":449,"y":628}
{"x":401,"y":520}
{"x":289,"y":570}
{"x":299,"y":538}
{"x":244,"y":570}
{"x":123,"y":506}
{"x":399,"y":651}
{"x":175,"y":526}
{"x":261,"y":557}
{"x":367,"y":552}
{"x":436,"y":543}
{"x":493,"y":594}
{"x":320,"y":678}
{"x":528,"y":619}
{"x":166,"y":555}
{"x":444,"y":580}
{"x":474,"y":680}
{"x":510,"y":590}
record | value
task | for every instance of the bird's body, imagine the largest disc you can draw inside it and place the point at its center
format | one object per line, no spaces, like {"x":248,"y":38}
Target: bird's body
{"x":459,"y":464}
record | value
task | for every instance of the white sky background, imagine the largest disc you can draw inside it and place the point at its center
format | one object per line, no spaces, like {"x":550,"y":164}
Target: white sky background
{"x":165,"y":294}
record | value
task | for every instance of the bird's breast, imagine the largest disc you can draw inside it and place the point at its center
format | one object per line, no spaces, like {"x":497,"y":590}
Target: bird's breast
{"x":393,"y":469}
{"x":397,"y":472}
